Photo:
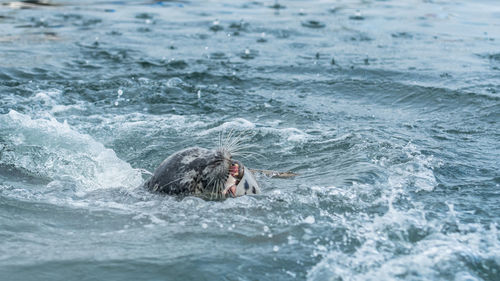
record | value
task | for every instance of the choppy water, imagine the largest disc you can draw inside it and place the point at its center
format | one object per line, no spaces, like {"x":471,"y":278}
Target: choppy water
{"x":389,"y":110}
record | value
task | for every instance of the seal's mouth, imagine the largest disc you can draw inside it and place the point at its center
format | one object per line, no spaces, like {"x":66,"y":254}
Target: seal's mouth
{"x":236,"y":172}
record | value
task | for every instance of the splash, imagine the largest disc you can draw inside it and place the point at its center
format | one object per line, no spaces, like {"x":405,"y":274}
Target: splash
{"x":51,"y":149}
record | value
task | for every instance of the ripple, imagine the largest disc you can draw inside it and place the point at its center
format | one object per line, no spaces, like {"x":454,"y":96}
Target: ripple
{"x":216,"y":26}
{"x":144,"y":16}
{"x":357,"y":16}
{"x":404,"y":35}
{"x":218,"y":56}
{"x":249,"y":54}
{"x":313,"y":24}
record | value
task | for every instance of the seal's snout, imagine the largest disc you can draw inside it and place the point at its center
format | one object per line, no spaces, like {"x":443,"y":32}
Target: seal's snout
{"x":235,"y":174}
{"x":230,"y":186}
{"x":240,"y":181}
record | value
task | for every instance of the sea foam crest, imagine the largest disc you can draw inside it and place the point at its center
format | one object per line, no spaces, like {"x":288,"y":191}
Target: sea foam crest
{"x":54,"y":150}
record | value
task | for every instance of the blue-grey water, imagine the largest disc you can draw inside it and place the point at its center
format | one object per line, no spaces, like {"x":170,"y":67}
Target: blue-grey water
{"x":389,"y":112}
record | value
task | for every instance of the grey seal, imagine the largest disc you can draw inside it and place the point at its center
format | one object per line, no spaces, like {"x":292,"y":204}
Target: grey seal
{"x":212,"y":174}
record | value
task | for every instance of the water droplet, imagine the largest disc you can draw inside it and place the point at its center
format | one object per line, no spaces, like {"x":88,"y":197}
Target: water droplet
{"x":266,"y":228}
{"x":199,"y":94}
{"x":120,"y":92}
{"x":204,"y":225}
{"x":357,"y":16}
{"x":276,"y":248}
{"x":309,"y":220}
{"x":116,"y":103}
{"x":249,"y":54}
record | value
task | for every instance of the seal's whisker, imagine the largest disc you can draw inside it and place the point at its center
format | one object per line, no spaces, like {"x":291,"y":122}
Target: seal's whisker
{"x":168,"y":183}
{"x":216,"y":189}
{"x":247,"y":157}
{"x":244,"y":151}
{"x":234,"y":143}
{"x":165,"y":185}
{"x":220,"y":186}
{"x":212,"y":192}
{"x":244,"y":148}
{"x":143,"y":171}
{"x":238,"y":139}
{"x":228,"y":138}
{"x":221,"y":141}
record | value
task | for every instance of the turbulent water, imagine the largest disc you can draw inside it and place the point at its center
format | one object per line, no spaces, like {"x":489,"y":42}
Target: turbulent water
{"x":389,"y":112}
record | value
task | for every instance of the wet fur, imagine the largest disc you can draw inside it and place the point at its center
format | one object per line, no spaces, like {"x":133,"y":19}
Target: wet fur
{"x":195,"y":171}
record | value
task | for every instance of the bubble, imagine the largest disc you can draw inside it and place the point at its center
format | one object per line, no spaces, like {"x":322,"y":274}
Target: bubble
{"x":174,"y":82}
{"x":276,"y":248}
{"x":204,"y":225}
{"x":120,"y":92}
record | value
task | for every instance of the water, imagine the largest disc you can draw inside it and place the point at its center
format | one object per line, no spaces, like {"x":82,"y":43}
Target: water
{"x":388,"y":110}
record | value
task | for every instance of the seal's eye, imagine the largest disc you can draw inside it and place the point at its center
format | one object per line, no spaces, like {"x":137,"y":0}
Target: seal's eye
{"x":236,"y":170}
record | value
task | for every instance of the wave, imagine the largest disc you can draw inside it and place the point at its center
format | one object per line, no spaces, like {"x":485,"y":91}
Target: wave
{"x":54,"y":150}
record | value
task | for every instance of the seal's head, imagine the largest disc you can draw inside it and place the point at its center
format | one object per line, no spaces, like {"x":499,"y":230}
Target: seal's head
{"x":206,"y":173}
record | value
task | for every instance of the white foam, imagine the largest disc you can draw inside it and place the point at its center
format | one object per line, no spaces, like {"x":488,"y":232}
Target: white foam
{"x":49,"y":100}
{"x":53,"y":149}
{"x":386,"y":251}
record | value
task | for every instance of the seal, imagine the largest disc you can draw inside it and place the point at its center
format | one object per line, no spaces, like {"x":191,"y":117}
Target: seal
{"x":205,"y":173}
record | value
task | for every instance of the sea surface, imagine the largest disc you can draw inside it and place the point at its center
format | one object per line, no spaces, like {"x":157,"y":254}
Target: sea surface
{"x":389,"y":111}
